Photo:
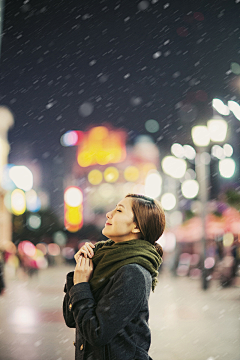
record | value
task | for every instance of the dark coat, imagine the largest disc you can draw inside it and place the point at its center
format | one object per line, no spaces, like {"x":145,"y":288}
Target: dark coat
{"x":116,"y":326}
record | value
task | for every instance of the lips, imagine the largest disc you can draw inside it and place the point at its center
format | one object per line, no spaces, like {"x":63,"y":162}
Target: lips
{"x":108,"y":223}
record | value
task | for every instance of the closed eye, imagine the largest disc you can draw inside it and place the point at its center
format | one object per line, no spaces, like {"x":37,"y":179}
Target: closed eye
{"x":119,"y":210}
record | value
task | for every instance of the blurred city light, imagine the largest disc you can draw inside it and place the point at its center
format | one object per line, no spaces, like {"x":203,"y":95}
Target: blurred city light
{"x":174,"y":167}
{"x":190,"y":189}
{"x":176,"y":218}
{"x":95,"y":177}
{"x":168,"y":201}
{"x":228,"y":150}
{"x":42,"y":247}
{"x":27,"y":248}
{"x":131,"y":173}
{"x":235,"y":108}
{"x":102,"y":146}
{"x":218,"y":152}
{"x":68,"y":253}
{"x":6,"y":181}
{"x":200,"y":135}
{"x":34,"y":221}
{"x":53,"y":249}
{"x":217,"y":128}
{"x":111,"y":174}
{"x":189,"y":152}
{"x":71,"y":138}
{"x":23,"y":317}
{"x":153,"y":185}
{"x":152,"y":126}
{"x":73,"y":196}
{"x":177,"y":150}
{"x":167,"y":241}
{"x":22,"y":177}
{"x":209,"y":262}
{"x":18,"y":202}
{"x":60,"y":238}
{"x":73,"y":209}
{"x":220,"y":107}
{"x":190,"y":174}
{"x":235,"y":68}
{"x":106,"y":191}
{"x":33,"y":202}
{"x":227,"y":167}
{"x":228,"y":239}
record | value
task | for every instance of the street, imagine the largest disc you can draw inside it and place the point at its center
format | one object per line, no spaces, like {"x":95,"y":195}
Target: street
{"x":186,"y":322}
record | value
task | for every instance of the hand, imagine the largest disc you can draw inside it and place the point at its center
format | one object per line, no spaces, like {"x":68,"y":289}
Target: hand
{"x":83,"y":270}
{"x":86,"y":250}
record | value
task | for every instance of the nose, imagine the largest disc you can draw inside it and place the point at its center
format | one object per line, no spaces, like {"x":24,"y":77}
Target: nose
{"x":109,"y":215}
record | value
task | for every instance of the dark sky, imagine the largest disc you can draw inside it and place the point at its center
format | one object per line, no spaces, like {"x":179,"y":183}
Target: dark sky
{"x":71,"y":64}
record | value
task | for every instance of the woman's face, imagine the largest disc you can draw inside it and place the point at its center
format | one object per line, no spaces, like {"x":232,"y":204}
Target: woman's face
{"x":119,"y":225}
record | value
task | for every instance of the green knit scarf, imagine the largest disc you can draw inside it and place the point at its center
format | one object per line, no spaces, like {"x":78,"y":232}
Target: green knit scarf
{"x":110,"y":256}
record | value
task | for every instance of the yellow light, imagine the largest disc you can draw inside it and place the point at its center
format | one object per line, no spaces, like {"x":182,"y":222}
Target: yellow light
{"x":95,"y":177}
{"x":18,"y":202}
{"x":200,"y":136}
{"x":98,"y":133}
{"x":85,"y":158}
{"x":131,"y":173}
{"x":147,"y":167}
{"x":111,"y":174}
{"x":228,"y":239}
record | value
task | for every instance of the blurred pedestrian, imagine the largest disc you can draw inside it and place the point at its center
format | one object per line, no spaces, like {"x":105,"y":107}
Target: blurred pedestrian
{"x":107,"y":295}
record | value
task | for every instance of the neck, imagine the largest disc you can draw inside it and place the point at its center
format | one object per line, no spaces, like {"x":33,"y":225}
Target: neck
{"x":118,"y":239}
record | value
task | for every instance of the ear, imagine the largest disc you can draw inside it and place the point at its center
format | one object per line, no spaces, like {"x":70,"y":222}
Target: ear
{"x":135,"y":230}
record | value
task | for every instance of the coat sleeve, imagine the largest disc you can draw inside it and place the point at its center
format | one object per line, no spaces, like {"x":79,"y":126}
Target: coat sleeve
{"x":100,"y":322}
{"x":67,"y":314}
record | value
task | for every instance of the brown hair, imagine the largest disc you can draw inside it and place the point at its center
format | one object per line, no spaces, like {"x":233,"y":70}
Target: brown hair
{"x":149,"y":218}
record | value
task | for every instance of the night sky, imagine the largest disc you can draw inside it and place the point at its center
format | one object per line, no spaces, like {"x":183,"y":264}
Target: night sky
{"x":71,"y":64}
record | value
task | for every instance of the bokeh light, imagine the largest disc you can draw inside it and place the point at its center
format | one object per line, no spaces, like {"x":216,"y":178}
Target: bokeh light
{"x":18,"y":202}
{"x":131,"y":173}
{"x":68,"y":253}
{"x":189,"y":152}
{"x":218,"y":152}
{"x":42,"y":247}
{"x":34,"y":221}
{"x":177,"y":150}
{"x":228,"y":150}
{"x":106,"y":191}
{"x":95,"y":177}
{"x":27,"y":248}
{"x":200,"y":135}
{"x":235,"y":108}
{"x":217,"y":129}
{"x":227,"y":167}
{"x":60,"y":238}
{"x":209,"y":262}
{"x":190,"y":189}
{"x":228,"y":239}
{"x":220,"y":107}
{"x":70,"y":138}
{"x":111,"y":174}
{"x":174,"y":167}
{"x":22,"y":177}
{"x":152,"y":126}
{"x":73,"y":196}
{"x":33,"y":202}
{"x":53,"y":249}
{"x":168,"y":201}
{"x":153,"y":185}
{"x":235,"y":68}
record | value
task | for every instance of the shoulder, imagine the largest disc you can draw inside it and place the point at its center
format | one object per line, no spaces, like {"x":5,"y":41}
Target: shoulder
{"x":134,"y":273}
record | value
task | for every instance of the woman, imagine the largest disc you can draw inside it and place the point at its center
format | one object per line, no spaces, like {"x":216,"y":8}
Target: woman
{"x":107,"y":294}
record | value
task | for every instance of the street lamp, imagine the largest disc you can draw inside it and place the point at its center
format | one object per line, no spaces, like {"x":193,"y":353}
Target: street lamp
{"x":201,"y":135}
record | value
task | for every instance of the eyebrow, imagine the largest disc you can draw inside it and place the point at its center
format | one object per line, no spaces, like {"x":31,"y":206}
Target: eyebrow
{"x":120,"y":205}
